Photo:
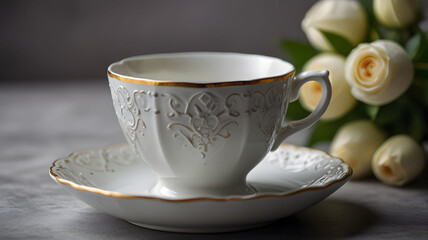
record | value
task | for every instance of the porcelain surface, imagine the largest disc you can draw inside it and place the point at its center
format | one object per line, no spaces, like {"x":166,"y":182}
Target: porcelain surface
{"x":115,"y":181}
{"x":203,"y":121}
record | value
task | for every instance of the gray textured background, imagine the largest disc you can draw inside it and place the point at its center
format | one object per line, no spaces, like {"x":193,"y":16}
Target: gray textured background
{"x":53,"y":39}
{"x":64,"y":39}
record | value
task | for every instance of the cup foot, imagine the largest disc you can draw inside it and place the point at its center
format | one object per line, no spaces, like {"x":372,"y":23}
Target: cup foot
{"x":165,"y":188}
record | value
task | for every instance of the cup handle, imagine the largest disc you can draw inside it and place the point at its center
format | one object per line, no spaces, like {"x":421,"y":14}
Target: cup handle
{"x":294,"y":126}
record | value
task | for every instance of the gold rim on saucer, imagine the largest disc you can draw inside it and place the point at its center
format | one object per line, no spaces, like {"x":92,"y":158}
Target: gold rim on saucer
{"x":121,"y":195}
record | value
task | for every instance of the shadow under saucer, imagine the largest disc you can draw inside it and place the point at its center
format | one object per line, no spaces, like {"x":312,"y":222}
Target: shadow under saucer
{"x":327,"y":219}
{"x":336,"y":219}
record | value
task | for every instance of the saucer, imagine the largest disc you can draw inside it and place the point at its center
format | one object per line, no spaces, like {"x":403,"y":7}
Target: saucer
{"x":114,"y":181}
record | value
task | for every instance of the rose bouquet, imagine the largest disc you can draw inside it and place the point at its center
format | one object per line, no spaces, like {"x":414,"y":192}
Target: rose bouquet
{"x":377,"y":56}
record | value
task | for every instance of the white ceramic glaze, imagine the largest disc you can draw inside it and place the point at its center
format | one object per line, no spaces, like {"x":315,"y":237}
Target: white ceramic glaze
{"x":114,"y":180}
{"x":202,"y":121}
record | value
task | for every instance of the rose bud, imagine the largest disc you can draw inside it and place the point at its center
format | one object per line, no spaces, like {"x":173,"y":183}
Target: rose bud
{"x":355,"y":143}
{"x":345,"y":18}
{"x":397,"y":13}
{"x":398,"y":161}
{"x":341,"y":99}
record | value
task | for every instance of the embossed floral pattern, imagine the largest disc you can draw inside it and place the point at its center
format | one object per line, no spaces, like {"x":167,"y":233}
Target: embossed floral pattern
{"x":270,"y":113}
{"x":267,"y":107}
{"x":292,"y":159}
{"x":128,"y":110}
{"x":128,"y":114}
{"x":301,"y":159}
{"x":93,"y":161}
{"x":202,"y":120}
{"x":205,"y":118}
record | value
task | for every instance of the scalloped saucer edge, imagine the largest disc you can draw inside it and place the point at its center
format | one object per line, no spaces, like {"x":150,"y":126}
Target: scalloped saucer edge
{"x":114,"y":181}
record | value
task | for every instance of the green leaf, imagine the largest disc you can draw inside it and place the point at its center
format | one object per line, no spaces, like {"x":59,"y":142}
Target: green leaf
{"x":417,"y":47}
{"x":387,"y":114}
{"x":419,"y":100}
{"x":340,"y":44}
{"x":298,"y":52}
{"x":418,"y":91}
{"x":421,"y":72}
{"x":403,"y":116}
{"x":413,"y":45}
{"x":393,"y":35}
{"x":416,"y":126}
{"x":373,"y":36}
{"x":410,"y":122}
{"x":373,"y":31}
{"x":367,"y":5}
{"x":295,"y":111}
{"x":323,"y":131}
{"x":372,"y":111}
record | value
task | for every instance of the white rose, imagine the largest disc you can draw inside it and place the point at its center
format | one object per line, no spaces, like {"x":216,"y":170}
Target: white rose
{"x":378,"y":72}
{"x":355,"y":143}
{"x":341,"y":99}
{"x":397,"y":13}
{"x":346,"y":18}
{"x":398,"y":161}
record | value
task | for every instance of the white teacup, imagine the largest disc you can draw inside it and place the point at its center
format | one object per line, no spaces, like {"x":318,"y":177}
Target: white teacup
{"x":201,"y":121}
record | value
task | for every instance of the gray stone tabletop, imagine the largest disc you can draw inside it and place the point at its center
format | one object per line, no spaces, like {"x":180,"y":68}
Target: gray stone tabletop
{"x":42,"y":122}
